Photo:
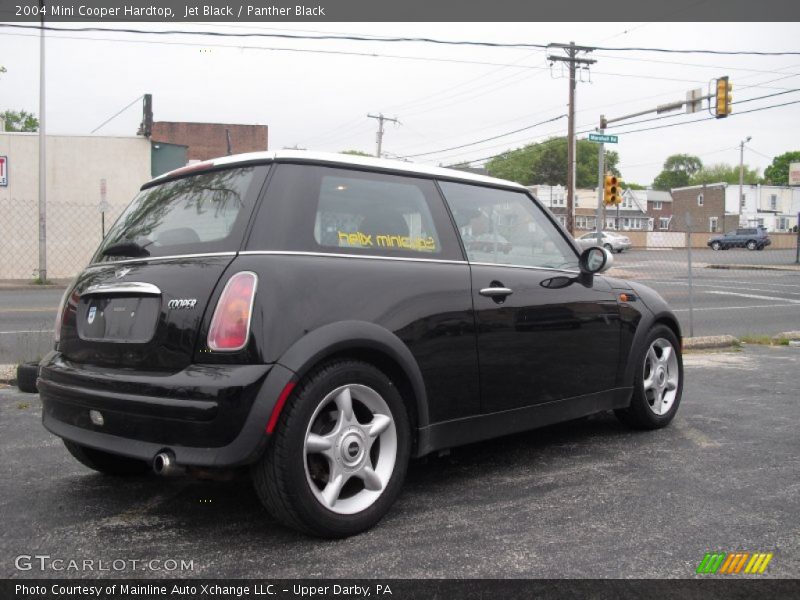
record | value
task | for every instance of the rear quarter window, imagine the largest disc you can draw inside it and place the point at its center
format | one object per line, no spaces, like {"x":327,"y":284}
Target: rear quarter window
{"x":347,"y":211}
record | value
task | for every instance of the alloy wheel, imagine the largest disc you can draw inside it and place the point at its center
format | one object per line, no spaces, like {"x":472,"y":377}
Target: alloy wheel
{"x":350,"y":449}
{"x":661,"y":376}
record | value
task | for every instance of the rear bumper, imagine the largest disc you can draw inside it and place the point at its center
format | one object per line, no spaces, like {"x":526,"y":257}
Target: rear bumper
{"x":206,"y":415}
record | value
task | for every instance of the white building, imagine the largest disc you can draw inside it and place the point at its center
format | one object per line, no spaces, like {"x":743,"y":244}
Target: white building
{"x":76,"y":166}
{"x":772,"y":206}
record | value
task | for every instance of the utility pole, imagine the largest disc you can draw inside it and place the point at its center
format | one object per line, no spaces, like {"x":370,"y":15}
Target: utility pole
{"x":571,"y":57}
{"x":741,"y":176}
{"x":601,"y":155}
{"x":42,"y":160}
{"x":379,"y":136}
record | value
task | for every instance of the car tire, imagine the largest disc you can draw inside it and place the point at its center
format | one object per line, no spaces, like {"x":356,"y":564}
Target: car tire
{"x":315,"y":472}
{"x":27,"y":373}
{"x":608,"y":247}
{"x":657,"y":384}
{"x":761,"y":247}
{"x":752,"y":245}
{"x":716,"y":246}
{"x":105,"y":462}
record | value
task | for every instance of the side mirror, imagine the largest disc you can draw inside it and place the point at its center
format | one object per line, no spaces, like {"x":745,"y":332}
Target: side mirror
{"x":592,"y":261}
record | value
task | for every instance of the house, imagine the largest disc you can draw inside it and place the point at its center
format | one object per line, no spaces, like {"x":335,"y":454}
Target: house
{"x":774,"y":207}
{"x":553,"y":197}
{"x":631,"y":214}
{"x":659,"y":209}
{"x":702,"y":208}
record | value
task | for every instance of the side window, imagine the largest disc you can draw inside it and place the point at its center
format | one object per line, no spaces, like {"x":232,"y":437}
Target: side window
{"x":314,"y":208}
{"x":374,"y":214}
{"x":506,"y":227}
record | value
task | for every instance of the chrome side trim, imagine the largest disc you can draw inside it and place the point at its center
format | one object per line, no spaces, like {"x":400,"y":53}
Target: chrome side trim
{"x":123,"y":287}
{"x":485,"y":264}
{"x":341,"y":255}
{"x":159,"y":258}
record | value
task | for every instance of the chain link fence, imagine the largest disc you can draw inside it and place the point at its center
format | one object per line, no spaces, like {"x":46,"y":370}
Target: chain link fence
{"x":74,"y":232}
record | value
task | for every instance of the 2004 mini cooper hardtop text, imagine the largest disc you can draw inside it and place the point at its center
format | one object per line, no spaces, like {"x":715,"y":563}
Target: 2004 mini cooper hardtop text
{"x":323,"y":318}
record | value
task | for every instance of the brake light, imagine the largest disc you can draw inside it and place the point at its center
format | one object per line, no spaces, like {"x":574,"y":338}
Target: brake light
{"x":68,"y":294}
{"x":230,"y":325}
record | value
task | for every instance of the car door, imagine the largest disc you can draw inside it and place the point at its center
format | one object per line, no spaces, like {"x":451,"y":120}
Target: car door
{"x":536,"y":344}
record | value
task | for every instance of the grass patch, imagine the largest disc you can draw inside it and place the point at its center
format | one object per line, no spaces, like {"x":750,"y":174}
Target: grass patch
{"x":40,"y":281}
{"x":764,"y":340}
{"x":23,"y":405}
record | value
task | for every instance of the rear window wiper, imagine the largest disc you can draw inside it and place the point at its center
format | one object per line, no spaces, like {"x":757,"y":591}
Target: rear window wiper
{"x":126,"y":248}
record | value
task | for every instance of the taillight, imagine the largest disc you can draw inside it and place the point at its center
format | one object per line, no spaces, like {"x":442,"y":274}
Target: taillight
{"x":230,"y":325}
{"x":62,"y":307}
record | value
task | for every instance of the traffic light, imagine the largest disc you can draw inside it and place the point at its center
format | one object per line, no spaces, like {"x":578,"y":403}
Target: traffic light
{"x":613,"y":192}
{"x":724,"y":98}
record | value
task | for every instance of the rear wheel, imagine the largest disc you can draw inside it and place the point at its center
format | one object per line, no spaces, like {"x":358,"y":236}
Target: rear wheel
{"x":716,"y":245}
{"x":339,"y":454}
{"x":658,"y":383}
{"x":608,"y":247}
{"x":105,"y":462}
{"x":752,"y":245}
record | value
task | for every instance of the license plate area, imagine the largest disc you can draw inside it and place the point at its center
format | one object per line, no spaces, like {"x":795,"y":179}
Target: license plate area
{"x":122,"y":319}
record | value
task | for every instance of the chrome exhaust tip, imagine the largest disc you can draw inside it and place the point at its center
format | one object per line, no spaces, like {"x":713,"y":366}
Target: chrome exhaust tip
{"x":164,"y":465}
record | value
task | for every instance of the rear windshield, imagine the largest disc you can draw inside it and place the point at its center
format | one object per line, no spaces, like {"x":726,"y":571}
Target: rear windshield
{"x":203,"y":213}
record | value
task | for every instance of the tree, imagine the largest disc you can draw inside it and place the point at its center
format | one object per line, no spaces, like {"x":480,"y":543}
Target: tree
{"x":778,"y":172}
{"x":546,"y":163}
{"x":677,"y":171}
{"x":20,"y":121}
{"x":356,"y":153}
{"x":724,"y":173}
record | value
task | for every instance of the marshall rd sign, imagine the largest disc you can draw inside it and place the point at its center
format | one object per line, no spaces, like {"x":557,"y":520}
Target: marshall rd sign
{"x":603,"y":139}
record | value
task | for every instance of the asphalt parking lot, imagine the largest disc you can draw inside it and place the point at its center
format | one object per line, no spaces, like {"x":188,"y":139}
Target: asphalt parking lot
{"x":583,"y":499}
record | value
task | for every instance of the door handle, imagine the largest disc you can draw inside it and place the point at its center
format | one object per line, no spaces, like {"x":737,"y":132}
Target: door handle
{"x":494,"y":292}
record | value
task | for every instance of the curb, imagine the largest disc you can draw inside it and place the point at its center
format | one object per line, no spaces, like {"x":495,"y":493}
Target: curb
{"x":8,"y":373}
{"x":756,"y":267}
{"x":710,"y":341}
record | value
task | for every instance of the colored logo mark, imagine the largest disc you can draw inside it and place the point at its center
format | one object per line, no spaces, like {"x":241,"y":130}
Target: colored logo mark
{"x":729,"y":563}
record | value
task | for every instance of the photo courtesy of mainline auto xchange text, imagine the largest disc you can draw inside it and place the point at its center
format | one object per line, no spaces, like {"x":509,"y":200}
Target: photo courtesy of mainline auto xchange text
{"x":362,"y":299}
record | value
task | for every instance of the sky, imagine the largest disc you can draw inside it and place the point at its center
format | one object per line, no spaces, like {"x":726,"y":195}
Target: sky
{"x":316,"y":94}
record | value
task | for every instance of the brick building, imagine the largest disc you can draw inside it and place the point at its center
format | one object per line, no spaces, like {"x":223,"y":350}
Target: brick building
{"x":705,"y":204}
{"x":210,"y":140}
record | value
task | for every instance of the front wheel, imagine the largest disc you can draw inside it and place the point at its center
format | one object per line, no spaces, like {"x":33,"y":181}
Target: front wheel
{"x":339,"y":454}
{"x":658,"y":383}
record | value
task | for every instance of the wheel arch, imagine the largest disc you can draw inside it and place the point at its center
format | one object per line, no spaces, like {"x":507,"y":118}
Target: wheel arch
{"x":369,"y":343}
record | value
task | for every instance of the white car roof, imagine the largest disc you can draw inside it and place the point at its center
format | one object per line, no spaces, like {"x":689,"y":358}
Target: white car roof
{"x":345,"y":160}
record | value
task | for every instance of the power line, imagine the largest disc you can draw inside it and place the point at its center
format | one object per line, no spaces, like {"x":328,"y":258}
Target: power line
{"x":386,"y":39}
{"x":115,"y":115}
{"x":486,"y":139}
{"x":486,"y":158}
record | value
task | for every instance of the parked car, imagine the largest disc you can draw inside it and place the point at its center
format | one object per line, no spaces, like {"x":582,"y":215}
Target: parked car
{"x":318,"y":319}
{"x":613,"y":242}
{"x":752,"y":238}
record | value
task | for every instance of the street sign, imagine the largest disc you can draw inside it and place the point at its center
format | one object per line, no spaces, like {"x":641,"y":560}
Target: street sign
{"x":603,"y":139}
{"x":3,"y":171}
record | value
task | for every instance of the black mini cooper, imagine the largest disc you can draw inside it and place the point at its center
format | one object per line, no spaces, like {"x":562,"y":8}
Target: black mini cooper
{"x":321,"y":319}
